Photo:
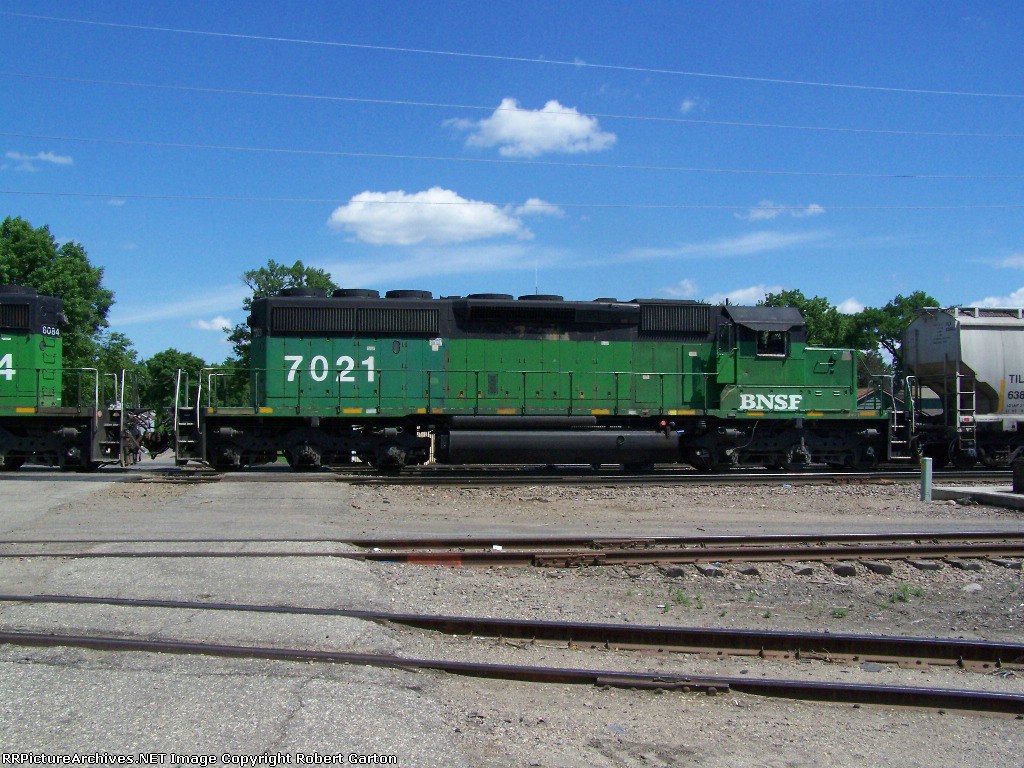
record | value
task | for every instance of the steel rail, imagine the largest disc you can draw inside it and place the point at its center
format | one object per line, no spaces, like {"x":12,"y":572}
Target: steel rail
{"x":941,"y":698}
{"x":968,"y":654}
{"x":667,"y":477}
{"x":590,"y":555}
{"x":440,"y":476}
{"x":596,"y":542}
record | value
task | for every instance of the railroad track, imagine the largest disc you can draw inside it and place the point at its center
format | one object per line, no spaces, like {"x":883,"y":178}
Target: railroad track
{"x":1004,"y":548}
{"x":567,"y":552}
{"x":974,"y":655}
{"x":443,"y":476}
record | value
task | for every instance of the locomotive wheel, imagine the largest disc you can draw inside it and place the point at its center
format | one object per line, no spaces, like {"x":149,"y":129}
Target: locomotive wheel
{"x":11,"y":463}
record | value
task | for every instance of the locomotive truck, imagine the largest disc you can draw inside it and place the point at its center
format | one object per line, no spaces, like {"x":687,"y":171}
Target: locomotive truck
{"x":483,"y":379}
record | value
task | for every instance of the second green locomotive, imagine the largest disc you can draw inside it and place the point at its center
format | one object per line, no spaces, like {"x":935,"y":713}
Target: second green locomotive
{"x":488,"y":379}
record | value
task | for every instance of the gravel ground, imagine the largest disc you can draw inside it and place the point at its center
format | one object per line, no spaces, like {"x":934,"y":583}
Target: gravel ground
{"x":66,"y":699}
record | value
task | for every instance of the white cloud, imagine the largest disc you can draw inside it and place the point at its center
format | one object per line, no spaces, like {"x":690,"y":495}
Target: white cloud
{"x":746,"y":245}
{"x":751,"y":295}
{"x":1015,"y":299}
{"x":1016,"y":261}
{"x":433,"y":216}
{"x":766,"y":210}
{"x":27,"y":162}
{"x":521,"y":132}
{"x":850,"y":306}
{"x":219,"y":323}
{"x":116,"y":203}
{"x":537,"y":207}
{"x":690,"y":105}
{"x":686,"y":289}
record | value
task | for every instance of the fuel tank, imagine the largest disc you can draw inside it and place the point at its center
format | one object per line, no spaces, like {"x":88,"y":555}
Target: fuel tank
{"x":571,"y":446}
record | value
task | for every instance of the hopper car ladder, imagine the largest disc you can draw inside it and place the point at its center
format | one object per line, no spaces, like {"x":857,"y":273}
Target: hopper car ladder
{"x":966,"y":424}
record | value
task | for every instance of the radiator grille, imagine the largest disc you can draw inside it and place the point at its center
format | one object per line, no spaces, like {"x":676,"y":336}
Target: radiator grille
{"x":312,"y":319}
{"x":14,"y":316}
{"x":398,"y":320}
{"x":675,"y":318}
{"x":368,"y":320}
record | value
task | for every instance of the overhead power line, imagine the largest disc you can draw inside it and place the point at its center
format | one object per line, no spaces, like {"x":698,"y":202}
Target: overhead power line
{"x":510,"y":161}
{"x":483,"y":108}
{"x":518,"y":59}
{"x":537,"y":204}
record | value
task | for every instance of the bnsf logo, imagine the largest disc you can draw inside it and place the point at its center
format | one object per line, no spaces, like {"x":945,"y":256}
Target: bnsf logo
{"x":770,"y":402}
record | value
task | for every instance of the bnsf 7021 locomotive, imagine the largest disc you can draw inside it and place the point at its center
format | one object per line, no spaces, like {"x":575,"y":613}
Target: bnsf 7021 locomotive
{"x":488,"y":379}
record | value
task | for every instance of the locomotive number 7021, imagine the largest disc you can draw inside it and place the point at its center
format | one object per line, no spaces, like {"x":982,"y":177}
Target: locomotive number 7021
{"x":318,"y":368}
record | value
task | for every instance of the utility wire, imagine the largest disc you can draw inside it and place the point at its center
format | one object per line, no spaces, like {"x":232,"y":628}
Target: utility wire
{"x":508,"y":161}
{"x":518,"y":59}
{"x":648,"y":206}
{"x":479,"y":108}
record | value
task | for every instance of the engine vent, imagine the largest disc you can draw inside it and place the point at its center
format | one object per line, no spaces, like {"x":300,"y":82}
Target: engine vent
{"x":330,"y":320}
{"x":388,"y":320}
{"x":675,"y":318}
{"x":14,"y":316}
{"x":312,"y":319}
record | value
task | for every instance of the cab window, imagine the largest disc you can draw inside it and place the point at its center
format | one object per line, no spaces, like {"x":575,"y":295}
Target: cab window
{"x":772,"y":343}
{"x":725,"y":342}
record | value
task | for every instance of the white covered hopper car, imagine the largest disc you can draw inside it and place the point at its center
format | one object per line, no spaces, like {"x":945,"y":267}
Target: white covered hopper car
{"x":973,"y":359}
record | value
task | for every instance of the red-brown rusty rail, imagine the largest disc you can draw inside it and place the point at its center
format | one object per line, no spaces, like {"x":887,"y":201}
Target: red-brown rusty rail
{"x":940,"y":698}
{"x":970,"y":654}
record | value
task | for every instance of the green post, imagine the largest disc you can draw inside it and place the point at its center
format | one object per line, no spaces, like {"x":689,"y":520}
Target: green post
{"x":926,"y":479}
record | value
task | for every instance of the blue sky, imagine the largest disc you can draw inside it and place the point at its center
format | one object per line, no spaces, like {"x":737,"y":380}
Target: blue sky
{"x":656,"y":149}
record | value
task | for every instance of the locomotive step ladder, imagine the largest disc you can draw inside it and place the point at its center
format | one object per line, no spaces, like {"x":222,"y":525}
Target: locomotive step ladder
{"x":899,"y":442}
{"x":186,"y":422}
{"x":902,"y":421}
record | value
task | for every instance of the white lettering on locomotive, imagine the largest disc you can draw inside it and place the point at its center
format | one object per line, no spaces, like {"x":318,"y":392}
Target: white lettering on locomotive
{"x":750,"y":402}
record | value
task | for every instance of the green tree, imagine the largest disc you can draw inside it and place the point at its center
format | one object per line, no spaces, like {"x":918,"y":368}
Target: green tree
{"x":266,"y":281}
{"x":113,"y":353}
{"x":884,"y":326}
{"x":870,"y":365}
{"x":826,"y":325}
{"x":31,"y":257}
{"x":161,"y":376}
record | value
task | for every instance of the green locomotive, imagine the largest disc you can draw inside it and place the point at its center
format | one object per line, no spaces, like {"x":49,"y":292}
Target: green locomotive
{"x":65,"y":417}
{"x":489,"y":379}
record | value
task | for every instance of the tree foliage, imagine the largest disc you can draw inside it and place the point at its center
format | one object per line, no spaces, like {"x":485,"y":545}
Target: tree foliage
{"x":885,"y":325}
{"x":31,"y":257}
{"x":873,"y":330}
{"x":161,"y":374}
{"x":266,"y":281}
{"x":826,"y":325}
